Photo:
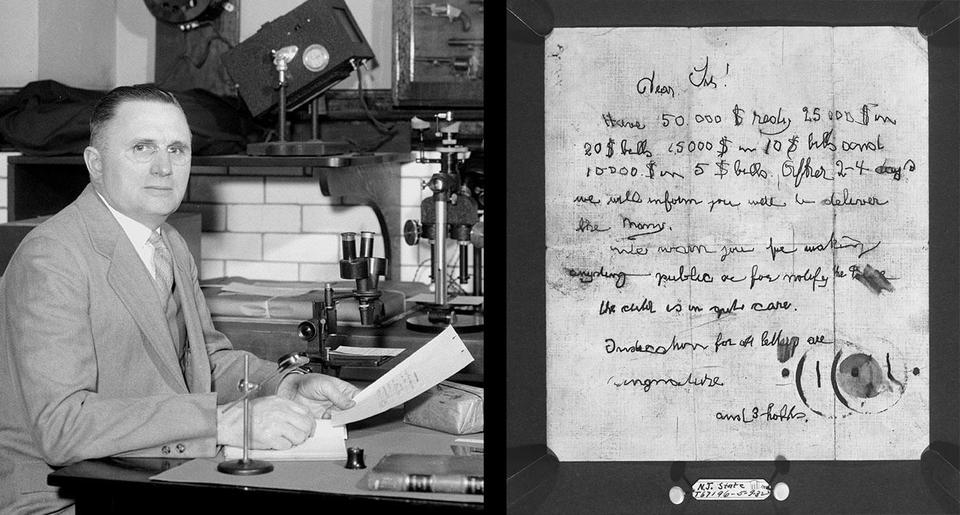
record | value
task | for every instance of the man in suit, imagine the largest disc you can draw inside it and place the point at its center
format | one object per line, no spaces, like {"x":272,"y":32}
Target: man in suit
{"x":106,"y":345}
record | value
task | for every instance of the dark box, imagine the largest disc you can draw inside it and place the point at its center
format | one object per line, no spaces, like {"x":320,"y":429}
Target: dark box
{"x":324,"y":33}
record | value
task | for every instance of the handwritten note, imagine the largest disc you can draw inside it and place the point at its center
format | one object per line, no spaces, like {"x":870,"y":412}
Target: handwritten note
{"x":436,"y":361}
{"x":736,"y":243}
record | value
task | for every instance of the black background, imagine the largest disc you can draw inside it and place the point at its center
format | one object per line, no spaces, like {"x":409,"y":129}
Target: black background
{"x":642,"y":487}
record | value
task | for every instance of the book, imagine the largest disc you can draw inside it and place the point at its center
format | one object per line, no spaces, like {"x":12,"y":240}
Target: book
{"x":467,"y":446}
{"x":428,"y":473}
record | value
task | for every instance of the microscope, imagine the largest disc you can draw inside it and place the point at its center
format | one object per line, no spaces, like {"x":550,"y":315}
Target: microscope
{"x":365,"y":270}
{"x":450,"y":214}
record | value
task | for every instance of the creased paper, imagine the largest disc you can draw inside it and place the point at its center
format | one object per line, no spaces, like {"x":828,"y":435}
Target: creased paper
{"x":736,"y":235}
{"x":437,"y":360}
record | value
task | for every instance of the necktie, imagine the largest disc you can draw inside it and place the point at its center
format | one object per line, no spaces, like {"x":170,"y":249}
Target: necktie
{"x":162,"y":263}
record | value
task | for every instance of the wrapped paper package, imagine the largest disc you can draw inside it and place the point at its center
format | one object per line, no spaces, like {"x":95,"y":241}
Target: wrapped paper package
{"x":278,"y":300}
{"x":449,"y":407}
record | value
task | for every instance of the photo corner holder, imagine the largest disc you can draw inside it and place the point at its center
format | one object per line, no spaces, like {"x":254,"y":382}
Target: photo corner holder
{"x":938,"y":18}
{"x":938,"y":464}
{"x":531,"y":473}
{"x":535,"y":15}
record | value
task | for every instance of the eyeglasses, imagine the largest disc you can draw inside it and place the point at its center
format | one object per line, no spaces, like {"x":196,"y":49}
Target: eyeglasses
{"x":146,"y":152}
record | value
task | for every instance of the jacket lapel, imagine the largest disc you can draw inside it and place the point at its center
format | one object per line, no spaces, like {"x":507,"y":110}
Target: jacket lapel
{"x":133,"y":286}
{"x":197,"y":363}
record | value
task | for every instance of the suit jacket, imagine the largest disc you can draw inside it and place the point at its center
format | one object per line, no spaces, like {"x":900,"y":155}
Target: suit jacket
{"x":88,"y":366}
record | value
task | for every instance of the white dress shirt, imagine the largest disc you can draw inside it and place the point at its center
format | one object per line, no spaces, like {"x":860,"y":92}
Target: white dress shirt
{"x":138,"y":234}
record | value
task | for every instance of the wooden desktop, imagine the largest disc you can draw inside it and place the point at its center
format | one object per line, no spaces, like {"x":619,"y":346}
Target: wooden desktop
{"x":117,"y":485}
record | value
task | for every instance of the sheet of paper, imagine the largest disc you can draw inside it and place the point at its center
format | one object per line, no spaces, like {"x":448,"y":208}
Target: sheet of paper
{"x":460,"y":300}
{"x":269,"y":291}
{"x":326,"y":443}
{"x":736,"y":233}
{"x":436,"y":361}
{"x":366,"y":351}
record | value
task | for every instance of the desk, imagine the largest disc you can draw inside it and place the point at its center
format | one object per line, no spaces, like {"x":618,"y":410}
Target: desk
{"x":123,"y":485}
{"x":39,"y":186}
{"x":270,"y":340}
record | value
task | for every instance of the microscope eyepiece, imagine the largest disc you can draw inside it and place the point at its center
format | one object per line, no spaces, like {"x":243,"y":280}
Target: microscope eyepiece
{"x":366,"y":244}
{"x":348,"y":241}
{"x":307,"y":330}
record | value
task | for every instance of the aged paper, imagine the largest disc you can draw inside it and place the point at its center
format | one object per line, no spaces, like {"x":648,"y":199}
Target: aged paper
{"x":440,"y":358}
{"x":736,"y":243}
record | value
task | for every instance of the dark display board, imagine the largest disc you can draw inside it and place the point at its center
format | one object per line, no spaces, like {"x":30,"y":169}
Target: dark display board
{"x":912,"y":486}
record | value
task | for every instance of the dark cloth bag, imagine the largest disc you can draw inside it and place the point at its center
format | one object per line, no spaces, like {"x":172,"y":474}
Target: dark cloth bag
{"x":47,"y":118}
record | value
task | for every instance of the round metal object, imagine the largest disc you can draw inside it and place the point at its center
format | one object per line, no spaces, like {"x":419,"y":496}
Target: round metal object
{"x":179,"y":11}
{"x":781,"y":491}
{"x":676,"y":495}
{"x":292,"y":360}
{"x":476,"y":235}
{"x":245,"y":468}
{"x":355,"y":458}
{"x":411,"y":232}
{"x":307,"y":331}
{"x":316,"y":57}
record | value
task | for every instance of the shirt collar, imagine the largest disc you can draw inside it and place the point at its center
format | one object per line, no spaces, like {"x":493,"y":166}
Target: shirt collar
{"x":136,"y":232}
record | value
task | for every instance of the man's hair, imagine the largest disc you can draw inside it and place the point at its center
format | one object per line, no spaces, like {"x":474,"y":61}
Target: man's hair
{"x":106,"y":108}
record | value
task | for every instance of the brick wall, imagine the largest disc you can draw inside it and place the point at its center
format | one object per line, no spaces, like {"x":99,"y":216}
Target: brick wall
{"x":283,"y":228}
{"x":3,"y":184}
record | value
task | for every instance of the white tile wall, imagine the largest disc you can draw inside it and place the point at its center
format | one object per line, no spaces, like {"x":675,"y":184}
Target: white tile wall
{"x":3,"y":165}
{"x":415,"y":169}
{"x":262,"y":270}
{"x":263,"y":218}
{"x":411,"y":191}
{"x":225,"y":245}
{"x":326,"y":272}
{"x":213,"y":217}
{"x":284,"y":228}
{"x":301,"y":248}
{"x":337,"y":219}
{"x":407,"y":272}
{"x":409,"y":255}
{"x":226,"y":190}
{"x":210,"y":268}
{"x":3,"y":184}
{"x":296,"y":190}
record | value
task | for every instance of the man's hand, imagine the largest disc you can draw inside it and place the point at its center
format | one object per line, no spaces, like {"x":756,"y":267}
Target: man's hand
{"x":322,"y":394}
{"x":276,"y":423}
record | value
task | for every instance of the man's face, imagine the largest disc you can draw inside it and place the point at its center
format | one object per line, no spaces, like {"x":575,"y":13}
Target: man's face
{"x":143,"y":167}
